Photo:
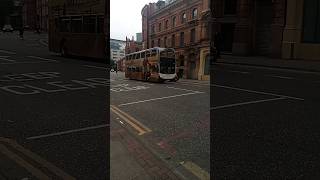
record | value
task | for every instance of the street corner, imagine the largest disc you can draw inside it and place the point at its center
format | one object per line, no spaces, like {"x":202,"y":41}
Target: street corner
{"x":17,"y":162}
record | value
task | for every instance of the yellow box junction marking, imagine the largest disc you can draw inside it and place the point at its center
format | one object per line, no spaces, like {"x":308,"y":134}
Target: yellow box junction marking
{"x":142,"y":129}
{"x":36,"y":172}
{"x":196,"y":170}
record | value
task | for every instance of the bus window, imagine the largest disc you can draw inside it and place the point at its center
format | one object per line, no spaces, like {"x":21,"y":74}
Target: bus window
{"x":65,"y":25}
{"x":100,"y":22}
{"x":76,"y":24}
{"x":148,"y":54}
{"x":130,"y":57}
{"x":89,"y":24}
{"x":138,"y":56}
{"x":153,"y":52}
{"x":143,"y":55}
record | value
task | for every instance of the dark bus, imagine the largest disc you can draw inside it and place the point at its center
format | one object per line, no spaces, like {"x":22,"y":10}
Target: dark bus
{"x":75,"y":30}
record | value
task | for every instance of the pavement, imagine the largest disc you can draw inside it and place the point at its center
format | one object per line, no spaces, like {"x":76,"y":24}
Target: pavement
{"x":265,"y":120}
{"x":302,"y":65}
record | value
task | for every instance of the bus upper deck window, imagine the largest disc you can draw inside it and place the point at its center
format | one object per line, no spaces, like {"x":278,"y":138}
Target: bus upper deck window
{"x":143,"y":54}
{"x":138,"y":56}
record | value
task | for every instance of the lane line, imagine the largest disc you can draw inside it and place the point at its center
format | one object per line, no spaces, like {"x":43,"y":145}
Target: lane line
{"x":182,"y":89}
{"x":5,"y":58}
{"x":246,"y":103}
{"x":257,"y":92}
{"x":141,"y":128}
{"x":196,"y":170}
{"x":155,"y":99}
{"x":34,"y":171}
{"x":7,"y":52}
{"x":281,"y":77}
{"x":45,"y":59}
{"x":242,"y":72}
{"x":38,"y":159}
{"x":28,"y":62}
{"x":67,"y":132}
{"x":97,"y":67}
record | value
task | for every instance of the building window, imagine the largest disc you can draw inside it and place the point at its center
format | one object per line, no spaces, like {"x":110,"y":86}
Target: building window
{"x":166,"y":24}
{"x":152,"y":29}
{"x":183,"y":18}
{"x":159,"y":42}
{"x":193,"y":36}
{"x":194,"y":13}
{"x":311,"y":21}
{"x":165,"y":41}
{"x":174,"y":21}
{"x":159,"y":27}
{"x":182,"y":39}
{"x":230,"y":6}
{"x":173,"y":40}
{"x":152,"y":43}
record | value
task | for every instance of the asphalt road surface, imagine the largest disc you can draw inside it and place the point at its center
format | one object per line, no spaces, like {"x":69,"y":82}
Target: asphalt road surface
{"x":55,"y":107}
{"x":171,"y":119}
{"x":265,"y":123}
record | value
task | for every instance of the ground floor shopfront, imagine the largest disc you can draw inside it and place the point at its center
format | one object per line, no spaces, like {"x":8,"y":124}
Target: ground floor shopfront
{"x":193,"y":63}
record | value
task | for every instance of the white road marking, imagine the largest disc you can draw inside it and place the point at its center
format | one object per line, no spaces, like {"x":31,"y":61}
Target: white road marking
{"x":257,"y":92}
{"x":281,"y":77}
{"x":181,"y":89}
{"x":67,"y":132}
{"x":97,"y":67}
{"x":155,"y":99}
{"x":5,"y":58}
{"x":7,"y":52}
{"x":242,"y":72}
{"x":45,"y":59}
{"x":246,"y":103}
{"x":28,"y":62}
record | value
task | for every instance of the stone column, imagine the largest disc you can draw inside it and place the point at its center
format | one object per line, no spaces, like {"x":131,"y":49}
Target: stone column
{"x":242,"y":43}
{"x":277,"y":27}
{"x":291,"y":31}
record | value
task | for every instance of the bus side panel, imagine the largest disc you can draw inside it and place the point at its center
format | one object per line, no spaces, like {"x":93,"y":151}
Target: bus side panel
{"x":86,"y":45}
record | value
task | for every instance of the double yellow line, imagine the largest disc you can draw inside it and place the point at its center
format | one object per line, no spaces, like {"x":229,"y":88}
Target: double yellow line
{"x":21,"y":152}
{"x":142,"y":129}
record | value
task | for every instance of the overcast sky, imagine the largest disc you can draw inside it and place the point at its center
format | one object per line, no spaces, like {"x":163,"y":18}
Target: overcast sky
{"x":125,"y":18}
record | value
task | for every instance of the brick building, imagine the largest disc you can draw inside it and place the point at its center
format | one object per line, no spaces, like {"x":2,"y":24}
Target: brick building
{"x":184,"y":26}
{"x":42,"y":15}
{"x":29,"y":14}
{"x":250,"y":27}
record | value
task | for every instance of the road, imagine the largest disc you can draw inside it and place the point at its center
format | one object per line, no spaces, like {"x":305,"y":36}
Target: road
{"x":170,"y":119}
{"x":265,"y":123}
{"x":54,"y":107}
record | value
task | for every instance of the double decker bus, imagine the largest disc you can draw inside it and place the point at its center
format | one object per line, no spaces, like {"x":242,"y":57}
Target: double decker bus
{"x":155,"y":64}
{"x":78,"y":28}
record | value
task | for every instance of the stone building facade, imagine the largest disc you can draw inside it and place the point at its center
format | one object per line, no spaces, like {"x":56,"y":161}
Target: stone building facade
{"x":184,"y":26}
{"x":250,"y":27}
{"x":29,"y":14}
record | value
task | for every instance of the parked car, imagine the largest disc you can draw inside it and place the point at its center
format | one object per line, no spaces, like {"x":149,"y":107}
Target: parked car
{"x":7,"y":28}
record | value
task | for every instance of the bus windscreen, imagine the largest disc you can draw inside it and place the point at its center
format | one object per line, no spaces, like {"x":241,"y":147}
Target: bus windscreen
{"x":167,"y":65}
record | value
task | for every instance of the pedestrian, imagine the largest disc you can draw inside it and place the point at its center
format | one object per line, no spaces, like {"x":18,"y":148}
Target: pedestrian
{"x":218,"y":41}
{"x":116,"y":70}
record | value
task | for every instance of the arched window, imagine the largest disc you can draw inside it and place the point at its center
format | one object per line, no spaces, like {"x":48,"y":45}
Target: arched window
{"x":183,"y":18}
{"x":166,"y":24}
{"x":207,"y":65}
{"x":194,"y":13}
{"x":159,"y":27}
{"x":174,"y":21}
